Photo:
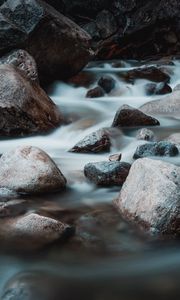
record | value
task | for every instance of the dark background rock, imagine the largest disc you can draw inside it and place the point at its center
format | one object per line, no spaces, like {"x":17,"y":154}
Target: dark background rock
{"x":59,"y":46}
{"x":143,"y":28}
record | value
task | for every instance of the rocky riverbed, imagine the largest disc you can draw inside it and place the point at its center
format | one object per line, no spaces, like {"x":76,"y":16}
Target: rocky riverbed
{"x":89,"y":156}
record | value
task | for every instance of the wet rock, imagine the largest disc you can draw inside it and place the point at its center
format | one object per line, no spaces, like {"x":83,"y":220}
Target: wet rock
{"x":24,"y":106}
{"x":12,"y":208}
{"x":107,"y":173}
{"x":169,"y":105}
{"x":150,"y":73}
{"x":33,"y":24}
{"x":33,"y":230}
{"x":29,"y":286}
{"x":115,"y":157}
{"x":128,"y":116}
{"x":159,"y":89}
{"x":145,"y":134}
{"x":95,"y":92}
{"x":162,"y":148}
{"x":84,"y":79}
{"x":106,"y":24}
{"x":150,"y":196}
{"x":174,"y":138}
{"x":96,"y":142}
{"x":28,"y":169}
{"x":22,"y":60}
{"x":107,"y":83}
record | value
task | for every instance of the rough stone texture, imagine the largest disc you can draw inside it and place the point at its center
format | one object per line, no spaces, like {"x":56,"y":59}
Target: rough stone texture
{"x":95,"y":92}
{"x":107,"y":83}
{"x":107,"y":173}
{"x":59,"y":46}
{"x":28,"y":169}
{"x":151,"y":196}
{"x":169,"y":105}
{"x":24,"y":106}
{"x":23,"y":61}
{"x":163,"y":148}
{"x":33,"y":230}
{"x":128,"y":116}
{"x":145,"y":134}
{"x":144,"y":28}
{"x":158,"y":89}
{"x":96,"y":142}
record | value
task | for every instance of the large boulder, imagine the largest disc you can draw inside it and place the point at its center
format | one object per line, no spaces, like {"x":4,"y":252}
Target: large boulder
{"x":168,"y":105}
{"x":150,"y":196}
{"x":134,"y":29}
{"x":59,"y":46}
{"x":28,"y":169}
{"x":24,"y":106}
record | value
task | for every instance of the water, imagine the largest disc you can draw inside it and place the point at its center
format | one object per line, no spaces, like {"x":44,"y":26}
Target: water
{"x":107,"y":249}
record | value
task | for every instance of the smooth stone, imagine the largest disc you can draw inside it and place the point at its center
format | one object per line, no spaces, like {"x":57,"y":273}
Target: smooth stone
{"x":128,"y":116}
{"x":162,"y":148}
{"x":107,"y":173}
{"x":107,"y":83}
{"x":150,"y":196}
{"x":96,"y":92}
{"x":28,"y":169}
{"x":96,"y":142}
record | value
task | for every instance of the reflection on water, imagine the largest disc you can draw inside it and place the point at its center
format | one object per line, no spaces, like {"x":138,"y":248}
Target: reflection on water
{"x":106,"y":254}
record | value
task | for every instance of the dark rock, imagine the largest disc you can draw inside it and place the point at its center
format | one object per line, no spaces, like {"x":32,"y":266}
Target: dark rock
{"x":33,"y":24}
{"x":107,"y":83}
{"x":169,"y":105}
{"x":115,"y":157}
{"x":33,"y":231}
{"x":150,"y":196}
{"x":24,"y":106}
{"x":145,"y":134}
{"x":149,"y":73}
{"x":107,"y":173}
{"x":128,"y":116}
{"x":96,"y":142}
{"x":95,"y":92}
{"x":156,"y":149}
{"x":13,"y":208}
{"x":159,"y":89}
{"x":106,"y":24}
{"x":84,"y":79}
{"x":28,"y":169}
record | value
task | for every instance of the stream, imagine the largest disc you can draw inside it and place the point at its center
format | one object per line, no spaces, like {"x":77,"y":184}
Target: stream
{"x":106,"y":251}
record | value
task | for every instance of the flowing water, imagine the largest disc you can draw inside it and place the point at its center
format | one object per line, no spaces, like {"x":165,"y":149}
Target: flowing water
{"x":107,"y":250}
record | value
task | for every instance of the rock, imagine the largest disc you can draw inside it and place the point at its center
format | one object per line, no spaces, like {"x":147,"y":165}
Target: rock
{"x":128,"y":116}
{"x":96,"y":142}
{"x":33,"y":24}
{"x":23,"y":61}
{"x":159,"y":89}
{"x":107,"y":83}
{"x":95,"y":92}
{"x":33,"y":230}
{"x":163,"y":148}
{"x":28,"y":169}
{"x":150,"y":196}
{"x":29,"y":286}
{"x":150,"y":73}
{"x":24,"y":106}
{"x":174,"y":138}
{"x":106,"y":24}
{"x":169,"y":105}
{"x":107,"y":173}
{"x":115,"y":157}
{"x":145,"y":134}
{"x":12,"y":208}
